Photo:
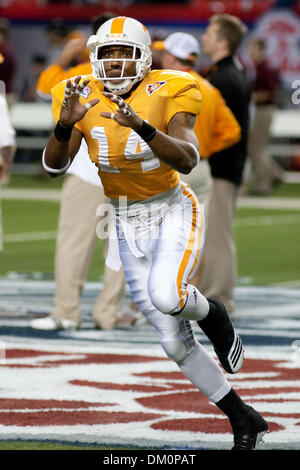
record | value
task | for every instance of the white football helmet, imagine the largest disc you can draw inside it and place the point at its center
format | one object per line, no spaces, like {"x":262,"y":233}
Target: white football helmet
{"x":121,"y":31}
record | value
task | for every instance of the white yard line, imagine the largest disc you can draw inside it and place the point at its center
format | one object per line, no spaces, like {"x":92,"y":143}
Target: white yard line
{"x":242,"y":222}
{"x":269,"y":203}
{"x":28,"y":237}
{"x":267,"y":220}
{"x":25,"y":194}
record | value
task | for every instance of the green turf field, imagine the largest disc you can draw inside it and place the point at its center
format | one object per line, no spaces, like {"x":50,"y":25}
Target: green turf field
{"x":267,"y":252}
{"x":39,"y":220}
{"x":42,"y":181}
{"x":267,"y":240}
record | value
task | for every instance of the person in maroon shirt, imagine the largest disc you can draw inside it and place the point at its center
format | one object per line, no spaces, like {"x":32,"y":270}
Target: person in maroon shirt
{"x":7,"y":59}
{"x":266,"y":173}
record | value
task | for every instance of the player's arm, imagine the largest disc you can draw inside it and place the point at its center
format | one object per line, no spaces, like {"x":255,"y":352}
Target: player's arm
{"x":65,"y":140}
{"x":59,"y":154}
{"x":175,"y":148}
{"x":178,"y":148}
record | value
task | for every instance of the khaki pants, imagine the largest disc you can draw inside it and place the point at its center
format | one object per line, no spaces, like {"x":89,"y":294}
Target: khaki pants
{"x":76,"y":242}
{"x":217,"y":271}
{"x":265,"y":171}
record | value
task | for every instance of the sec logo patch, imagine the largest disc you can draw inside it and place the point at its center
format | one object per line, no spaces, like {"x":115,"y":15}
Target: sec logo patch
{"x":154,"y":86}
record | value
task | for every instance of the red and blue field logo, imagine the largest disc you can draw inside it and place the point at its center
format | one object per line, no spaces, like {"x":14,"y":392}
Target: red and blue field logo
{"x":106,"y":396}
{"x":118,"y":388}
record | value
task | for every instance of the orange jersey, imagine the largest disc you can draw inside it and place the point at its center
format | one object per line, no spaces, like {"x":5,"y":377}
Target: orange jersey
{"x":127,"y":166}
{"x":216,"y":126}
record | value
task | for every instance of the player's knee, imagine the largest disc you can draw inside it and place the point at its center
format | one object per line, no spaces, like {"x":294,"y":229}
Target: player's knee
{"x":143,"y":303}
{"x":164,"y":299}
{"x":176,"y":350}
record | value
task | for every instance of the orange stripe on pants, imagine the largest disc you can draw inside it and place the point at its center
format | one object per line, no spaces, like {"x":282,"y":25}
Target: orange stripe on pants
{"x":189,"y":251}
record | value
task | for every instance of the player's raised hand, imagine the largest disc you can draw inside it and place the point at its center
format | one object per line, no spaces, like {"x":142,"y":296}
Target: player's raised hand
{"x":72,"y":109}
{"x":125,"y":115}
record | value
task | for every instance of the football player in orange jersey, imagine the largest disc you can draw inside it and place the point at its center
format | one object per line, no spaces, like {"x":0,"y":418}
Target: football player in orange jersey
{"x":139,"y":128}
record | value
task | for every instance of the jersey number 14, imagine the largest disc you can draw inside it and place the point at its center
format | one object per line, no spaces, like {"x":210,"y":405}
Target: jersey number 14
{"x":136,"y":148}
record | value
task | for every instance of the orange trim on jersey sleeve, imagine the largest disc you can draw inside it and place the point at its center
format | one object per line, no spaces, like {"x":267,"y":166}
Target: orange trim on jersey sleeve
{"x":190,"y":248}
{"x":117,"y":25}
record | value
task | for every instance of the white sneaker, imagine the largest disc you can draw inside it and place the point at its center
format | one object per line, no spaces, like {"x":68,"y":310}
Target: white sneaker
{"x":52,"y":324}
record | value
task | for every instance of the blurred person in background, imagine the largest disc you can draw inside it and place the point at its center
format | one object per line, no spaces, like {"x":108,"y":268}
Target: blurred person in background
{"x":220,"y":42}
{"x":216,"y":127}
{"x":58,"y":34}
{"x":82,"y":193}
{"x":266,"y":173}
{"x":157,"y":36}
{"x":7,"y":60}
{"x":28,"y":95}
{"x":28,"y":88}
{"x":7,"y":144}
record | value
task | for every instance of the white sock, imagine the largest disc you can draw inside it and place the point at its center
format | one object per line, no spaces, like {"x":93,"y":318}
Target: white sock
{"x":196,"y":307}
{"x":204,"y":372}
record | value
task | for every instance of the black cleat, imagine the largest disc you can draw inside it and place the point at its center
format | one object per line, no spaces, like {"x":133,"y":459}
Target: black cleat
{"x":248,"y":430}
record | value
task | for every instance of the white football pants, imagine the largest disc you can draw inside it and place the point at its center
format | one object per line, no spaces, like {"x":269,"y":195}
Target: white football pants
{"x":160,"y":245}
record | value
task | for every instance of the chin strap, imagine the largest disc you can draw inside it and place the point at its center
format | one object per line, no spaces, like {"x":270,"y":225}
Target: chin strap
{"x":121,"y":88}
